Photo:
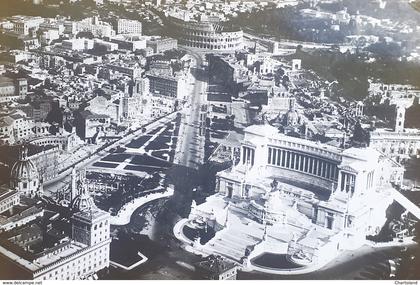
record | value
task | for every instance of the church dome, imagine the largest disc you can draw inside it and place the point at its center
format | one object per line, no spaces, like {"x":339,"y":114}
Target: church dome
{"x":24,"y":169}
{"x":83,"y":202}
{"x":24,"y":176}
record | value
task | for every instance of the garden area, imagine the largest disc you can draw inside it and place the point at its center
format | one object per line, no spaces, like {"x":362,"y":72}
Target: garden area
{"x":146,"y":160}
{"x":126,"y":188}
{"x":139,"y":142}
{"x":105,"y":165}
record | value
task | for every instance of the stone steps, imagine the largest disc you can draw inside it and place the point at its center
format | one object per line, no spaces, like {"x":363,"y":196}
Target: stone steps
{"x":225,"y":250}
{"x":240,"y":237}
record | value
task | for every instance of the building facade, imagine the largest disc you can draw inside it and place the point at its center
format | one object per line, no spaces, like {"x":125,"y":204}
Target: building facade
{"x":95,"y":26}
{"x":337,"y":185}
{"x":302,"y":199}
{"x":12,"y":89}
{"x":400,"y":144}
{"x":162,"y":45}
{"x":64,"y":140}
{"x":8,"y":198}
{"x":89,"y":126}
{"x":15,"y":127}
{"x":125,"y":26}
{"x":24,"y":25}
{"x":129,"y":42}
{"x":167,"y":85}
{"x":47,"y":161}
{"x":226,"y":71}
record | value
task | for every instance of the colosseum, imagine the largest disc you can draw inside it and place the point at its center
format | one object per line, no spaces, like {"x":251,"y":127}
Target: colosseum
{"x":206,"y":34}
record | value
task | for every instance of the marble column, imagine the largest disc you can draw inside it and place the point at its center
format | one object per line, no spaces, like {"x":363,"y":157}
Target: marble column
{"x":318,"y":167}
{"x":330,"y":167}
{"x":313,"y":166}
{"x":289,"y":156}
{"x":283,"y":158}
{"x":299,"y":162}
{"x":273,"y":159}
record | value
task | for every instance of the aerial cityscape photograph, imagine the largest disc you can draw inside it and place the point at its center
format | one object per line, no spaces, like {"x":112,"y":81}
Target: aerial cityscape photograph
{"x":209,"y":140}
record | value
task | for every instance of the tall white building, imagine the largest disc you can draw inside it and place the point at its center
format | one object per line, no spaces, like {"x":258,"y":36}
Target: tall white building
{"x":95,"y":26}
{"x":24,"y":25}
{"x":400,"y":144}
{"x":12,"y":89}
{"x":295,"y":197}
{"x":15,"y":127}
{"x":125,"y":26}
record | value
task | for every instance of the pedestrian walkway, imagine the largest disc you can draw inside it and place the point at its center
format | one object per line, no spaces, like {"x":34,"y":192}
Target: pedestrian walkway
{"x":124,"y":215}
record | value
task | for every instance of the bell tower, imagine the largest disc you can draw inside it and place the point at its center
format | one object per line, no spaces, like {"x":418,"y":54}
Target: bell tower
{"x":90,"y":225}
{"x":400,"y":119}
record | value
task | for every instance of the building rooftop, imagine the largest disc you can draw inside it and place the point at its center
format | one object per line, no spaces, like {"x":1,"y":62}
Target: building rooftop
{"x":20,"y":212}
{"x":5,"y":81}
{"x":160,"y":40}
{"x":58,"y":252}
{"x":6,"y":121}
{"x":91,"y":215}
{"x":155,"y":73}
{"x":367,"y":154}
{"x":90,"y":115}
{"x":6,"y":192}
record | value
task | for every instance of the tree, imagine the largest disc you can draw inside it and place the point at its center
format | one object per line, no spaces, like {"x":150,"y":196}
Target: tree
{"x":55,"y":116}
{"x":360,"y":135}
{"x":416,"y":232}
{"x":84,"y":34}
{"x":412,"y":115}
